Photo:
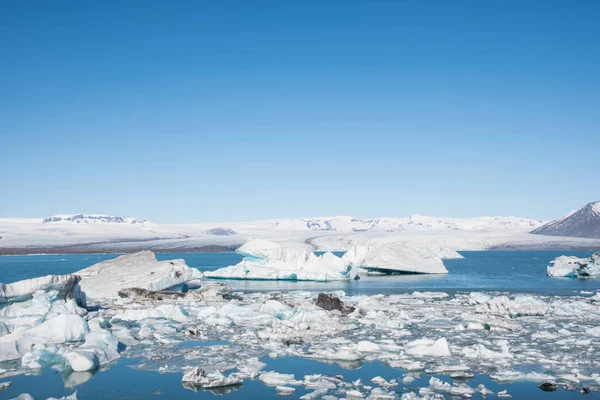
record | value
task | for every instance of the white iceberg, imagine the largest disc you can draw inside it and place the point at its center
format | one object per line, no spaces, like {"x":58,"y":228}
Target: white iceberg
{"x":395,"y":257}
{"x":140,"y":270}
{"x":575,"y":267}
{"x":265,"y":260}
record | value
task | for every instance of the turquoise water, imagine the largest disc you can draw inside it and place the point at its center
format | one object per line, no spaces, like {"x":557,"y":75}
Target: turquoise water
{"x":514,"y":271}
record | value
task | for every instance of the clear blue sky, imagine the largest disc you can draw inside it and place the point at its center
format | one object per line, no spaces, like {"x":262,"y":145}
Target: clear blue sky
{"x":238,"y":110}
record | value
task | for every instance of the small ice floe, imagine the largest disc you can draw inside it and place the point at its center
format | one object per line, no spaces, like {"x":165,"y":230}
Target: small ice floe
{"x":504,"y":394}
{"x":428,"y":347}
{"x":438,"y":386}
{"x":317,"y":394}
{"x":381,"y":394}
{"x":284,"y":390}
{"x":4,"y":385}
{"x":575,"y":267}
{"x":273,"y":378}
{"x":514,"y":376}
{"x":198,"y":377}
{"x":266,"y":260}
{"x":480,"y":351}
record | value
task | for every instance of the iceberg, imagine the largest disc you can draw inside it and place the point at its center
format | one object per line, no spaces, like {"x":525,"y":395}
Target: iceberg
{"x":395,"y":257}
{"x":140,"y":270}
{"x":265,"y":260}
{"x":575,"y":267}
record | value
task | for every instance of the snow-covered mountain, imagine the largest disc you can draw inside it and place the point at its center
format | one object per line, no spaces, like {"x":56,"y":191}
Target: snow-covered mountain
{"x":91,"y":219}
{"x":584,"y":223}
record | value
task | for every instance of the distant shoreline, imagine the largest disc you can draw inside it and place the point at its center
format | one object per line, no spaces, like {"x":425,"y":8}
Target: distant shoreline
{"x":53,"y":250}
{"x":87,"y":249}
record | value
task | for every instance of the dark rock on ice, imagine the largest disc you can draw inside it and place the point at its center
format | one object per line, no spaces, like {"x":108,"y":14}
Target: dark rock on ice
{"x":330,"y":301}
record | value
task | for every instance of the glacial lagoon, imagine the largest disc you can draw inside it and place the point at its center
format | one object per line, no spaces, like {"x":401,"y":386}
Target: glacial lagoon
{"x":135,"y":374}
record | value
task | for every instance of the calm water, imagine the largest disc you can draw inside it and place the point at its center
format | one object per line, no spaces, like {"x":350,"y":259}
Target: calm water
{"x":123,"y":382}
{"x":522,"y":271}
{"x":516,"y":271}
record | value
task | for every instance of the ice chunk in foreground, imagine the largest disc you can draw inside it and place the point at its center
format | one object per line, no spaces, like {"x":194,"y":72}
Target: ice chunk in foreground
{"x":395,"y":257}
{"x":428,"y":347}
{"x":265,"y":260}
{"x":66,"y":287}
{"x":63,"y":328}
{"x":575,"y":267}
{"x":142,"y":270}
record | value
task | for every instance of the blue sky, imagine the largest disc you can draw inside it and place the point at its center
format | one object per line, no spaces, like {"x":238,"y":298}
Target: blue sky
{"x":234,"y":110}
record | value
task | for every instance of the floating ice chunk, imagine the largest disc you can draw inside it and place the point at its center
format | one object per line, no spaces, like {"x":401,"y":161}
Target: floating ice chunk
{"x":284,"y":390}
{"x":4,"y":385}
{"x":9,"y":350}
{"x":103,"y":344}
{"x":480,"y":351}
{"x":273,"y":378}
{"x":484,"y":391}
{"x":395,"y":257}
{"x":428,"y":347}
{"x":595,"y":332}
{"x":66,"y":287}
{"x":365,"y":346}
{"x":23,"y":396}
{"x":514,"y":376}
{"x":251,"y":367}
{"x":318,"y":381}
{"x":167,"y":311}
{"x":504,"y":394}
{"x":574,"y":267}
{"x":200,"y":378}
{"x":82,"y":360}
{"x":72,"y":396}
{"x":266,"y":260}
{"x":41,"y":358}
{"x":381,"y":394}
{"x":437,"y":385}
{"x":142,"y":270}
{"x":354,"y":394}
{"x":317,"y":394}
{"x":520,"y":306}
{"x":63,"y":328}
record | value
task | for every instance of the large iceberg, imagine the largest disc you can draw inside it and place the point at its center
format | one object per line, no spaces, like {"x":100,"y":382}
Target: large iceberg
{"x":395,"y":257}
{"x":265,"y":260}
{"x":575,"y":267}
{"x":141,"y":270}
